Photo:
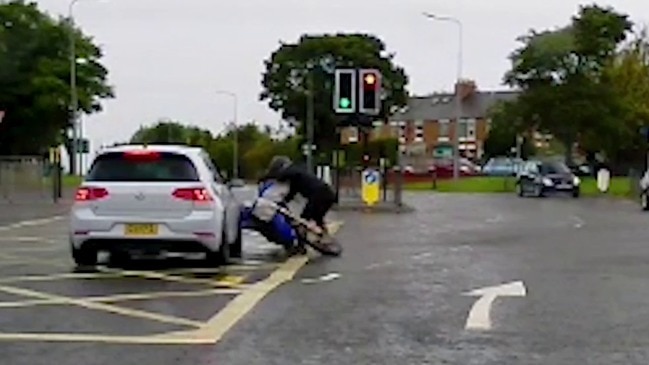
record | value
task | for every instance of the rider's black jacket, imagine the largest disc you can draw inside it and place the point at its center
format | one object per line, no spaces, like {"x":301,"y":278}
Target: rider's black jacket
{"x":301,"y":182}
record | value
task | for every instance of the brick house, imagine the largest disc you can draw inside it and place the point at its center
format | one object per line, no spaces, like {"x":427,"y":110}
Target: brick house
{"x":426,"y":125}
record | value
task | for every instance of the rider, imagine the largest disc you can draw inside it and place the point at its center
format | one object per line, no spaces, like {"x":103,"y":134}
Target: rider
{"x":319,"y":195}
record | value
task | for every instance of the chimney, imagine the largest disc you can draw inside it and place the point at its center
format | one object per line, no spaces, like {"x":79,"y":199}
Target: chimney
{"x":465,"y":88}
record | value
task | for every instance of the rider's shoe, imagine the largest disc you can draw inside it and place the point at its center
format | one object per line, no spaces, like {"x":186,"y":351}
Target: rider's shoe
{"x":296,"y":250}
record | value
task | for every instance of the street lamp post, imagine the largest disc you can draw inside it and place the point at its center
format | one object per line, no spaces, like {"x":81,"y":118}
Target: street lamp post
{"x":74,"y":101}
{"x":458,"y":101}
{"x":235,"y":148}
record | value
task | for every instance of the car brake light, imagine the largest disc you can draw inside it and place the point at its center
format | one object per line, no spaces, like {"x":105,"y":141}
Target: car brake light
{"x":85,"y":194}
{"x":193,"y":194}
{"x":142,"y":155}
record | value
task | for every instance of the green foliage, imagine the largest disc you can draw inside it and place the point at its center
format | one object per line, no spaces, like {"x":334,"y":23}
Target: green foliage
{"x":566,"y":83}
{"x":255,"y":146}
{"x":506,"y":125}
{"x":285,"y":80}
{"x":628,"y":78}
{"x":170,"y":132}
{"x":34,"y":74}
{"x":377,"y":148}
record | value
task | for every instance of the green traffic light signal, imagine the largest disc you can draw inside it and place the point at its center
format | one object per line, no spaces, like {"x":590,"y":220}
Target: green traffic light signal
{"x":345,"y":103}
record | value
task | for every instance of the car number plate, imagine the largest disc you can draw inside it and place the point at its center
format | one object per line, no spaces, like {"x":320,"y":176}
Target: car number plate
{"x":141,"y":230}
{"x":564,"y":186}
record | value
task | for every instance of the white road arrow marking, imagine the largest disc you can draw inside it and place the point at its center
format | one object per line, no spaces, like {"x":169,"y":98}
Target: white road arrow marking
{"x":480,"y":314}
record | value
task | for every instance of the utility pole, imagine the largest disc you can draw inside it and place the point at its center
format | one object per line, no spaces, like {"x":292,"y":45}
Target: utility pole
{"x":74,"y":102}
{"x":310,"y":123}
{"x":235,"y":131}
{"x":458,"y":101}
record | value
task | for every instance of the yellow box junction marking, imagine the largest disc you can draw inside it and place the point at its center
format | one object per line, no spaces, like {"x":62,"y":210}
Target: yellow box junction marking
{"x":208,"y":332}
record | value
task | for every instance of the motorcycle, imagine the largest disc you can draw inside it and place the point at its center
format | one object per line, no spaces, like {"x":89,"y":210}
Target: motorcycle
{"x":278,"y":224}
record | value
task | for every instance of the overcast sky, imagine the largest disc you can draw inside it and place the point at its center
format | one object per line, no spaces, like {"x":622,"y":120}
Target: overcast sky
{"x":167,"y":58}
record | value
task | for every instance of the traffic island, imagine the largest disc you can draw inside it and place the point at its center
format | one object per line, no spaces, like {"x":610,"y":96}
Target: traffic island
{"x":380,"y":207}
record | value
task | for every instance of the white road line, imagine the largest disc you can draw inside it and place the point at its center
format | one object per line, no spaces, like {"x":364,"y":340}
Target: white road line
{"x":323,"y":278}
{"x":377,"y":265}
{"x":31,"y":222}
{"x":578,"y":221}
{"x":422,"y":256}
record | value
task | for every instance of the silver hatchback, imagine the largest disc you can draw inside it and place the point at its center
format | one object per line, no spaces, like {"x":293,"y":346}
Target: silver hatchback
{"x":153,"y":199}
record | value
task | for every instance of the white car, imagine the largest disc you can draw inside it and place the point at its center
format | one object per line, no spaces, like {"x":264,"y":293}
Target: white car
{"x":154,"y":199}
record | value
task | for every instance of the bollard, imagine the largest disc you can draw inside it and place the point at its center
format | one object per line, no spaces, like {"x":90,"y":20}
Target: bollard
{"x":434,"y":177}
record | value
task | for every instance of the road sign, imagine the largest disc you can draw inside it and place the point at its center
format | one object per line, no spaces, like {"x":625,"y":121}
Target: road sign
{"x":371,"y":190}
{"x":83,"y":145}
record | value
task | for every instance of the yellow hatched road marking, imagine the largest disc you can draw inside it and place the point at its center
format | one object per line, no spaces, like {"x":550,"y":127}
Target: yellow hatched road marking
{"x":101,"y":307}
{"x":217,"y":326}
{"x":208,"y":332}
{"x":121,"y":297}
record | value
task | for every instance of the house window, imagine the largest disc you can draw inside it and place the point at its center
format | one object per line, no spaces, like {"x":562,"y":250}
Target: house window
{"x":419,"y":134}
{"x":470,"y":129}
{"x":444,"y":128}
{"x":402,"y":132}
{"x":419,"y":131}
{"x":466,"y":130}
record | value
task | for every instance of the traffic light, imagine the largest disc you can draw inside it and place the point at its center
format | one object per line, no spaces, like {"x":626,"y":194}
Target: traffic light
{"x":344,"y":93}
{"x":370,"y":92}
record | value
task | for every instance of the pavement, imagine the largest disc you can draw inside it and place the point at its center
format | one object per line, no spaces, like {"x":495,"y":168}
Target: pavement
{"x":19,"y":206}
{"x":464,"y":279}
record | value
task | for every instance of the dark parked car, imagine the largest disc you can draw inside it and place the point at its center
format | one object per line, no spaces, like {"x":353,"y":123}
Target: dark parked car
{"x":538,"y":178}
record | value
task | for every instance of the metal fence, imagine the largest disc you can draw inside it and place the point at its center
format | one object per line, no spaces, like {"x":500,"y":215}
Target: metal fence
{"x":23,"y":178}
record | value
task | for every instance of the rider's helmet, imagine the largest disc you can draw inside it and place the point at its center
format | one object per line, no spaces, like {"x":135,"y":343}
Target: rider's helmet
{"x":278,"y":163}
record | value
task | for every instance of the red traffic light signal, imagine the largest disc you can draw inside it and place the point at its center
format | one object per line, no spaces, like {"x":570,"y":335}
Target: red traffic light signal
{"x":370,"y":80}
{"x":370,"y":92}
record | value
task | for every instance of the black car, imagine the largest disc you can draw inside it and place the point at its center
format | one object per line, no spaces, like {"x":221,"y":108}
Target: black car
{"x":538,"y":178}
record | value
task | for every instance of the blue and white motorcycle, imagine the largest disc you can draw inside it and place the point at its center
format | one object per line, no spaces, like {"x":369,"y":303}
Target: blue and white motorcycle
{"x":268,"y":216}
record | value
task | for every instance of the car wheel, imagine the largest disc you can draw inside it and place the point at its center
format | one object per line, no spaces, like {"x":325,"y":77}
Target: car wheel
{"x":576,"y":193}
{"x":84,"y":256}
{"x":519,"y":190}
{"x":222,"y":256}
{"x":236,"y":248}
{"x":644,"y":201}
{"x":538,"y":191}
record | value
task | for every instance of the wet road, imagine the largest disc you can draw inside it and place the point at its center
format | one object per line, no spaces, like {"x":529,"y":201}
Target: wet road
{"x":563,"y":282}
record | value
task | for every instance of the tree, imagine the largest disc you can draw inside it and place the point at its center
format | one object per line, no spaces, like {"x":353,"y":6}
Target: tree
{"x":561,"y":75}
{"x":628,"y":78}
{"x":286,"y":78}
{"x":255,"y":146}
{"x":34,"y":74}
{"x":506,"y":127}
{"x":171,"y":132}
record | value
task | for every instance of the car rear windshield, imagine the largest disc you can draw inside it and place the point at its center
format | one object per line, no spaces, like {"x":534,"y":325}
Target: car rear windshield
{"x":157,"y":167}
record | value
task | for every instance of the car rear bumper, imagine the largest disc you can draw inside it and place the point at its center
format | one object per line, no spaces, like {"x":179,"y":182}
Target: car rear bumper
{"x":199,"y":231}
